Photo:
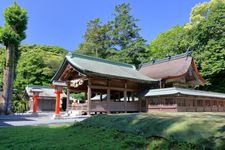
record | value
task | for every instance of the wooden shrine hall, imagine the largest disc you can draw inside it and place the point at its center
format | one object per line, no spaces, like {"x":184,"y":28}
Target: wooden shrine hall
{"x":128,"y":89}
{"x":177,"y":75}
{"x":119,"y":81}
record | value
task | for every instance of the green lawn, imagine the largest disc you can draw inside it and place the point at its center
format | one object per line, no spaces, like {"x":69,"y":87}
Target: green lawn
{"x":124,"y":131}
{"x":77,"y":137}
{"x":206,"y":130}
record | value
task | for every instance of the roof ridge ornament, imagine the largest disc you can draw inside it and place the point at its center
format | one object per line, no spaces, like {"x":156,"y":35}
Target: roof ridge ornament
{"x":169,"y":56}
{"x":70,"y":54}
{"x":188,"y":51}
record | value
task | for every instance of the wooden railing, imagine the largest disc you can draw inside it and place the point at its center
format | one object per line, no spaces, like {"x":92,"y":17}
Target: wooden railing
{"x":101,"y":106}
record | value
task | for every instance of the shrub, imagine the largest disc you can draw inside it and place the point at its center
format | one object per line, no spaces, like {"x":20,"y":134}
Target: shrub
{"x":19,"y":106}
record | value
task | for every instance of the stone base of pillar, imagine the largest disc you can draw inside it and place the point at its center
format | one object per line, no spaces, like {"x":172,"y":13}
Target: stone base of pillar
{"x":56,"y":116}
{"x":35,"y":114}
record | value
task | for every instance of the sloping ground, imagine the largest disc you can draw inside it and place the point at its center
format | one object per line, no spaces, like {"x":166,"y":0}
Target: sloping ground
{"x":206,"y":130}
{"x":77,"y":137}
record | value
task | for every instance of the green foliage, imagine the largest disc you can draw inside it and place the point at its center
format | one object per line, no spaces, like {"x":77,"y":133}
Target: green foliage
{"x":117,"y":40}
{"x":78,"y":96}
{"x":16,"y":17}
{"x":7,"y":35}
{"x":209,"y":50}
{"x":204,"y":34}
{"x":125,"y":37}
{"x":96,"y":39}
{"x":19,"y":106}
{"x":170,"y":42}
{"x":16,"y":23}
{"x":124,"y":28}
{"x":200,"y":12}
{"x":36,"y":64}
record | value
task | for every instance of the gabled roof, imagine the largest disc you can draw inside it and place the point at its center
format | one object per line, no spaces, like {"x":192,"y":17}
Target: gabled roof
{"x":183,"y":91}
{"x":171,"y":67}
{"x":95,"y":66}
{"x":46,"y":91}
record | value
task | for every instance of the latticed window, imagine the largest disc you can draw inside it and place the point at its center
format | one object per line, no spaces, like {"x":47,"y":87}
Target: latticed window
{"x":199,"y":103}
{"x":170,"y":101}
{"x":181,"y":102}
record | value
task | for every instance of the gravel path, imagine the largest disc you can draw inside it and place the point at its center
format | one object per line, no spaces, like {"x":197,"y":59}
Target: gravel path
{"x":27,"y":119}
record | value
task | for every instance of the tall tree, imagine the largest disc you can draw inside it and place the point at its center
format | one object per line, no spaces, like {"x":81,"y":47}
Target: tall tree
{"x":204,"y":34}
{"x":96,"y":39}
{"x":209,"y":49}
{"x":125,"y":35}
{"x":11,"y":34}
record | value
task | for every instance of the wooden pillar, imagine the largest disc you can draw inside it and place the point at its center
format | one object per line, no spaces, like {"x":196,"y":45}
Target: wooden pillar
{"x":108,"y":100}
{"x":35,"y":103}
{"x":125,"y":98}
{"x":146,"y":103}
{"x":89,"y":97}
{"x":85,"y":95}
{"x":108,"y":97}
{"x":68,"y":96}
{"x":160,"y":83}
{"x":140,"y":100}
{"x":57,"y":103}
{"x":203,"y":104}
{"x":68,"y":99}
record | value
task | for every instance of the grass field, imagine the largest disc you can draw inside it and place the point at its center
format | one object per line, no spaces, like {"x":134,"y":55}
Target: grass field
{"x":124,"y":131}
{"x":206,"y":130}
{"x":68,"y":138}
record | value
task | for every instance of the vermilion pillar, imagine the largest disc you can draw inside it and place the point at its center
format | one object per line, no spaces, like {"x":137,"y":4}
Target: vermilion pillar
{"x":35,"y":102}
{"x":57,"y":103}
{"x":58,"y":85}
{"x":36,"y":92}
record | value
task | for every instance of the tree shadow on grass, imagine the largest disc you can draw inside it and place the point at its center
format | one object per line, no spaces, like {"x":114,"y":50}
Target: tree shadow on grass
{"x":222,"y":129}
{"x":199,"y":129}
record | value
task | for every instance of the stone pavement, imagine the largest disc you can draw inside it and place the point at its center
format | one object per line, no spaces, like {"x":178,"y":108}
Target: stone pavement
{"x":43,"y":118}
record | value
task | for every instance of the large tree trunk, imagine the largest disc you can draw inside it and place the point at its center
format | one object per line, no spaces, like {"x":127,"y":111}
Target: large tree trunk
{"x":8,"y":78}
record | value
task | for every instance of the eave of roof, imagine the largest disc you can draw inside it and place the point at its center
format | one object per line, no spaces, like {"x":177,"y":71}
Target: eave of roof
{"x":182,"y":91}
{"x":168,"y":69}
{"x":172,"y":67}
{"x":169,"y":58}
{"x":46,"y":91}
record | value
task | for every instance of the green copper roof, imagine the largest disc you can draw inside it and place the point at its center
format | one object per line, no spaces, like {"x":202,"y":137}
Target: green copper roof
{"x":101,"y":67}
{"x":45,"y":91}
{"x":183,"y":91}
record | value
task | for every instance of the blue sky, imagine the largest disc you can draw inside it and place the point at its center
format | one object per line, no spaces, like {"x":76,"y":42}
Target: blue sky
{"x":63,"y":23}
